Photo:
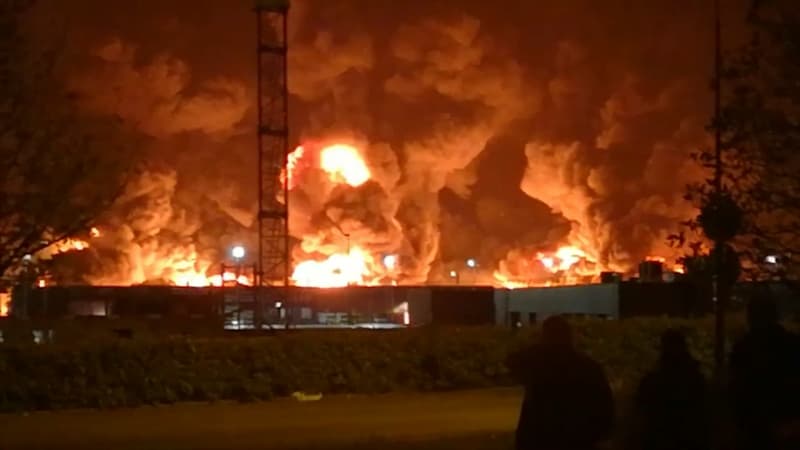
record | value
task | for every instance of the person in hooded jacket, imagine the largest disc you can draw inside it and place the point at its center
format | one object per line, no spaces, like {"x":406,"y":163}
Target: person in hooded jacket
{"x":671,"y":403}
{"x":568,"y":402}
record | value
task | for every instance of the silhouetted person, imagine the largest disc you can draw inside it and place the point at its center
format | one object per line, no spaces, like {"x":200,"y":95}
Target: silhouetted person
{"x":568,"y":403}
{"x":765,"y":379}
{"x":671,"y":402}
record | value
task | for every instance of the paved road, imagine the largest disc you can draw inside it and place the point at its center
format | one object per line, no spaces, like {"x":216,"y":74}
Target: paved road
{"x":282,"y":424}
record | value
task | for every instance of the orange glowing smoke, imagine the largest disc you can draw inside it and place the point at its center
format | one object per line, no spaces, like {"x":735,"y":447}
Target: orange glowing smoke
{"x":179,"y":267}
{"x":504,"y":281}
{"x":338,"y":270}
{"x":660,"y":259}
{"x":62,"y":246}
{"x":68,"y":245}
{"x":677,"y":267}
{"x":5,"y":304}
{"x":567,"y":265}
{"x":291,"y":167}
{"x":343,"y":163}
{"x":196,"y":278}
{"x":563,"y":259}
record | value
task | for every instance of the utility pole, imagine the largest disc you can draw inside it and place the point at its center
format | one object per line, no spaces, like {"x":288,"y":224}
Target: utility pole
{"x":720,"y":218}
{"x":720,"y":300}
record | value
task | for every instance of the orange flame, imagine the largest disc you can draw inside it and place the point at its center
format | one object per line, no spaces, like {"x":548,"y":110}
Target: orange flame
{"x":5,"y":304}
{"x":69,"y":244}
{"x":291,"y":167}
{"x":506,"y":282}
{"x":343,"y":163}
{"x":338,"y":270}
{"x":197,"y":279}
{"x":563,"y":259}
{"x":568,"y":264}
{"x":62,"y":246}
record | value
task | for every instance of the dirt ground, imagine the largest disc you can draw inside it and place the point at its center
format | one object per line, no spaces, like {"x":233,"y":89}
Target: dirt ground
{"x":473,"y":419}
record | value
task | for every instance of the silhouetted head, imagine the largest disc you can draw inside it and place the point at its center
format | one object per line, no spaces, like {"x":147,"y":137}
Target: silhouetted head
{"x":762,"y":313}
{"x":556,"y":332}
{"x":674,"y":347}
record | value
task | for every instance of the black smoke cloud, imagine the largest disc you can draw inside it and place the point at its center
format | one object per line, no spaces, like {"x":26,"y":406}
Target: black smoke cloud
{"x":517,"y":126}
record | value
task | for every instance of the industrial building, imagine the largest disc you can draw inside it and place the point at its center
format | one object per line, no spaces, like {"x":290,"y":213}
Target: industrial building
{"x":357,"y":306}
{"x":515,"y":307}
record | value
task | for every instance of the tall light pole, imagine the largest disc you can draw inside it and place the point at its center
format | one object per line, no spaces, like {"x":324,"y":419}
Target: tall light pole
{"x":720,"y":217}
{"x":719,"y":300}
{"x":472,"y":264}
{"x":454,"y":275}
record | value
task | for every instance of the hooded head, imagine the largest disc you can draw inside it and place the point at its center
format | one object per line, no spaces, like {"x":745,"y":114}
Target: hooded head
{"x":762,"y":313}
{"x":674,"y":347}
{"x":556,"y":332}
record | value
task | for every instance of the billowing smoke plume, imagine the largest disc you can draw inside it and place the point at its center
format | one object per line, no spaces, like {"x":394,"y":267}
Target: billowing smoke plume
{"x":494,"y":133}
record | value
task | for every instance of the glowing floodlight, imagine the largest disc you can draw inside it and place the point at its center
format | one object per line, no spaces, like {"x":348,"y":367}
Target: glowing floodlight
{"x":238,"y":252}
{"x":390,"y":262}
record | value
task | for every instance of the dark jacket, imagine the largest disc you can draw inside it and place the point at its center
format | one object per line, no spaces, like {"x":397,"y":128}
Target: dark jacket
{"x":672,"y":407}
{"x":568,"y":402}
{"x":765,"y":384}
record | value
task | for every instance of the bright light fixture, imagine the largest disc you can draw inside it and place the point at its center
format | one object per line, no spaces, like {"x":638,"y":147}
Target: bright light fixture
{"x":238,"y":252}
{"x":390,"y":262}
{"x":471,"y":263}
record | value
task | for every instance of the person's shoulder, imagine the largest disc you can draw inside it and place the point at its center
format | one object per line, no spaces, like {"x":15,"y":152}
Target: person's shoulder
{"x":588,"y":363}
{"x":742,"y":346}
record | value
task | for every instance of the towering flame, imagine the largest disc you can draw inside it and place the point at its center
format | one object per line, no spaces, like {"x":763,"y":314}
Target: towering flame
{"x":323,"y":263}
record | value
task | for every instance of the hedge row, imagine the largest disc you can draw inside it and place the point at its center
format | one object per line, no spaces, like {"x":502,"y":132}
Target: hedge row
{"x":120,"y":373}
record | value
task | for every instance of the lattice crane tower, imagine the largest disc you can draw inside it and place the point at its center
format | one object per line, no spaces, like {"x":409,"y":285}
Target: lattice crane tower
{"x":273,"y":143}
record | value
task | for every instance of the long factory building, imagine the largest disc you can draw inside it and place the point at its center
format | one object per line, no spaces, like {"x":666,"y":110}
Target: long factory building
{"x":356,"y":306}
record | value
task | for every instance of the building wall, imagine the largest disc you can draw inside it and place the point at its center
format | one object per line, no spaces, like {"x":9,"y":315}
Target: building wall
{"x":655,"y":299}
{"x":535,"y":304}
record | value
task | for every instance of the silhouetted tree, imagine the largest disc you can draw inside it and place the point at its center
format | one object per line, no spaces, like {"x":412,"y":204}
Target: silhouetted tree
{"x":760,"y":125}
{"x":59,"y":167}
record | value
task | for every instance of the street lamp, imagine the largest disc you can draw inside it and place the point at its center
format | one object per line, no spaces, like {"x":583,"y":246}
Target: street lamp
{"x":390,"y":262}
{"x":454,"y":275}
{"x":238,"y":252}
{"x":472,"y":264}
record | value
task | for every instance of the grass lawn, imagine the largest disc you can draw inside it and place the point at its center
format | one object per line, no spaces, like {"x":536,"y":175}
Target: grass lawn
{"x":482,"y":419}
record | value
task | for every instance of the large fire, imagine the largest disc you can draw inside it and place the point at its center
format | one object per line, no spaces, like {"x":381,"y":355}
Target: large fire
{"x":338,"y":270}
{"x":328,"y":264}
{"x":566,"y":265}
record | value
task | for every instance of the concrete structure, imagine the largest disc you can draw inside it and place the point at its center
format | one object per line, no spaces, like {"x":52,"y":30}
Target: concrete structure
{"x":530,"y":305}
{"x":610,"y":300}
{"x":235,"y":308}
{"x":351,"y":307}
